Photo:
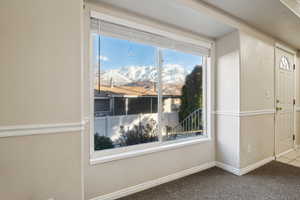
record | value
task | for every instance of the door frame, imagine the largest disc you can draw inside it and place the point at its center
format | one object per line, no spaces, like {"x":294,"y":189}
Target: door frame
{"x":282,"y":47}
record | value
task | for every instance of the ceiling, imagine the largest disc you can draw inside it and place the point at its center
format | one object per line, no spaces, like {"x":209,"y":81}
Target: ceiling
{"x":175,"y":14}
{"x":294,"y":5}
{"x":269,"y":16}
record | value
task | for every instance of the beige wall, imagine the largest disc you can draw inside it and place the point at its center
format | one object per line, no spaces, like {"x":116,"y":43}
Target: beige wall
{"x":41,"y":167}
{"x":40,"y":64}
{"x":40,"y":83}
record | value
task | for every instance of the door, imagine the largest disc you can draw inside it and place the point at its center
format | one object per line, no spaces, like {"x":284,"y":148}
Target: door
{"x":284,"y":119}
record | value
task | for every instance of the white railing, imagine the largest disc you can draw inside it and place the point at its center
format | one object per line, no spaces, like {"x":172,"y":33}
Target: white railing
{"x":191,"y":125}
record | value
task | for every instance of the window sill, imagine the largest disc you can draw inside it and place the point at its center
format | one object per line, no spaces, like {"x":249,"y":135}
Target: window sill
{"x":163,"y":147}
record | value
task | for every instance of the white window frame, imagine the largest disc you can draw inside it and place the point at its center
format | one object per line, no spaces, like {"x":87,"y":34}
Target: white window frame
{"x":103,"y":156}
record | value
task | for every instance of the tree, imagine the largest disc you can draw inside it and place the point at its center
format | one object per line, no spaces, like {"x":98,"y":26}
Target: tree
{"x":191,"y":93}
{"x":102,"y":142}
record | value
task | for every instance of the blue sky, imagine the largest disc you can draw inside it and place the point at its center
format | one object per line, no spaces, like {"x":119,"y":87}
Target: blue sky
{"x":116,"y":53}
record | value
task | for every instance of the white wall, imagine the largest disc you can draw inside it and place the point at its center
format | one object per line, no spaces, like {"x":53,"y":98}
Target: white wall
{"x":245,"y":117}
{"x":297,"y":121}
{"x":256,"y":95}
{"x":227,"y":99}
{"x":257,"y":72}
{"x":40,"y":83}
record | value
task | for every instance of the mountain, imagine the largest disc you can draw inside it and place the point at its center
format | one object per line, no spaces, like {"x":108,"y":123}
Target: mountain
{"x":173,"y":77}
{"x":113,"y":77}
{"x":172,"y":73}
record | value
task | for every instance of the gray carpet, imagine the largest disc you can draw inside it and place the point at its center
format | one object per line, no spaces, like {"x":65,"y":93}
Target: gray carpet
{"x":274,"y":181}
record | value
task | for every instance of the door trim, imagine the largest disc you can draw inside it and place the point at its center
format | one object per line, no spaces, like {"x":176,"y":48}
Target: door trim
{"x":285,"y":48}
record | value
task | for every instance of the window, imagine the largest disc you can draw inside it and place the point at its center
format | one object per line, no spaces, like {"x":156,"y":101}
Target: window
{"x":285,"y":64}
{"x":148,"y":89}
{"x":182,"y":86}
{"x":125,"y":79}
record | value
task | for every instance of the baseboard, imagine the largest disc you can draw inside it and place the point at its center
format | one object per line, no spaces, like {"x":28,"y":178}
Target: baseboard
{"x":243,"y":171}
{"x":254,"y":166}
{"x":153,"y":183}
{"x":283,"y":153}
{"x":228,"y":168}
{"x":181,"y":174}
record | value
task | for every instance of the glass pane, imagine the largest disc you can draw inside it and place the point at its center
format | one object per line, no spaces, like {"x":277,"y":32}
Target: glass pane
{"x":284,"y":63}
{"x":125,"y":99}
{"x":182,"y":79}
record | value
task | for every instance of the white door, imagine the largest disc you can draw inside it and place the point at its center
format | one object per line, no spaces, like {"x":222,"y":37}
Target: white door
{"x":284,"y":129}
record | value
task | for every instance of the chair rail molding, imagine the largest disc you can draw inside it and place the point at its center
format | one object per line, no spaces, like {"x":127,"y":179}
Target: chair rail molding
{"x":36,"y":129}
{"x":245,"y":113}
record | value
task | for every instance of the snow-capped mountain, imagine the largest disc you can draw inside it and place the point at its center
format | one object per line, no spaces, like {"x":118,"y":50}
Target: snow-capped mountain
{"x":172,"y":73}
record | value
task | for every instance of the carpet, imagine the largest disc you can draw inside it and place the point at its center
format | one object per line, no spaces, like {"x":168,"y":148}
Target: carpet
{"x":274,"y":181}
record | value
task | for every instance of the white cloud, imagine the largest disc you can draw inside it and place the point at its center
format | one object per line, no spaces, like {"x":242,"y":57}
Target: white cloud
{"x":104,"y":58}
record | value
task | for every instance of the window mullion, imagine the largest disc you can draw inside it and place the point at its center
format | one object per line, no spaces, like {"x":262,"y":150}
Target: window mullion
{"x":160,"y":103}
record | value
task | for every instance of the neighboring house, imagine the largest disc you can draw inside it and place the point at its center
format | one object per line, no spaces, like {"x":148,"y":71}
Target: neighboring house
{"x":118,"y":95}
{"x":128,"y":100}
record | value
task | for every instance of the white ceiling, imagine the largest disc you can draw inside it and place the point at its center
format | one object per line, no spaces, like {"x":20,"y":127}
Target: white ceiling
{"x":269,"y":16}
{"x":175,"y":14}
{"x":294,"y":5}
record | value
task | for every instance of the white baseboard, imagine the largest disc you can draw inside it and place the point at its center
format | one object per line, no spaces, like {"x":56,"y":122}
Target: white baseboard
{"x":228,"y":168}
{"x":254,"y":166}
{"x":153,"y":183}
{"x":243,"y":171}
{"x":181,"y":174}
{"x":283,"y":153}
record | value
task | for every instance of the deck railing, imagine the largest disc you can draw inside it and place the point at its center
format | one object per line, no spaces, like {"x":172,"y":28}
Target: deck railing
{"x":191,"y":125}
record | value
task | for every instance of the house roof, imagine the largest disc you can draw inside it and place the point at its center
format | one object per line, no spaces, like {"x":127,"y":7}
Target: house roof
{"x":125,"y":91}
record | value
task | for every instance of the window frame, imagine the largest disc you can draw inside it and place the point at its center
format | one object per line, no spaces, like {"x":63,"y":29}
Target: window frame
{"x":109,"y":155}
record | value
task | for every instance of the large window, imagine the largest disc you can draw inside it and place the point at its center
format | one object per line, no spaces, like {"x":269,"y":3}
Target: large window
{"x":147,"y":90}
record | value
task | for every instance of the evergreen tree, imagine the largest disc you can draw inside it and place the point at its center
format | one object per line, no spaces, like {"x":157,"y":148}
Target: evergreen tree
{"x":191,"y":93}
{"x":102,"y":142}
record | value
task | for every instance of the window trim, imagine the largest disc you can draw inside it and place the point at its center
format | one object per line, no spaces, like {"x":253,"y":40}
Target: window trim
{"x":204,"y":42}
{"x":163,"y":146}
{"x":97,"y":157}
